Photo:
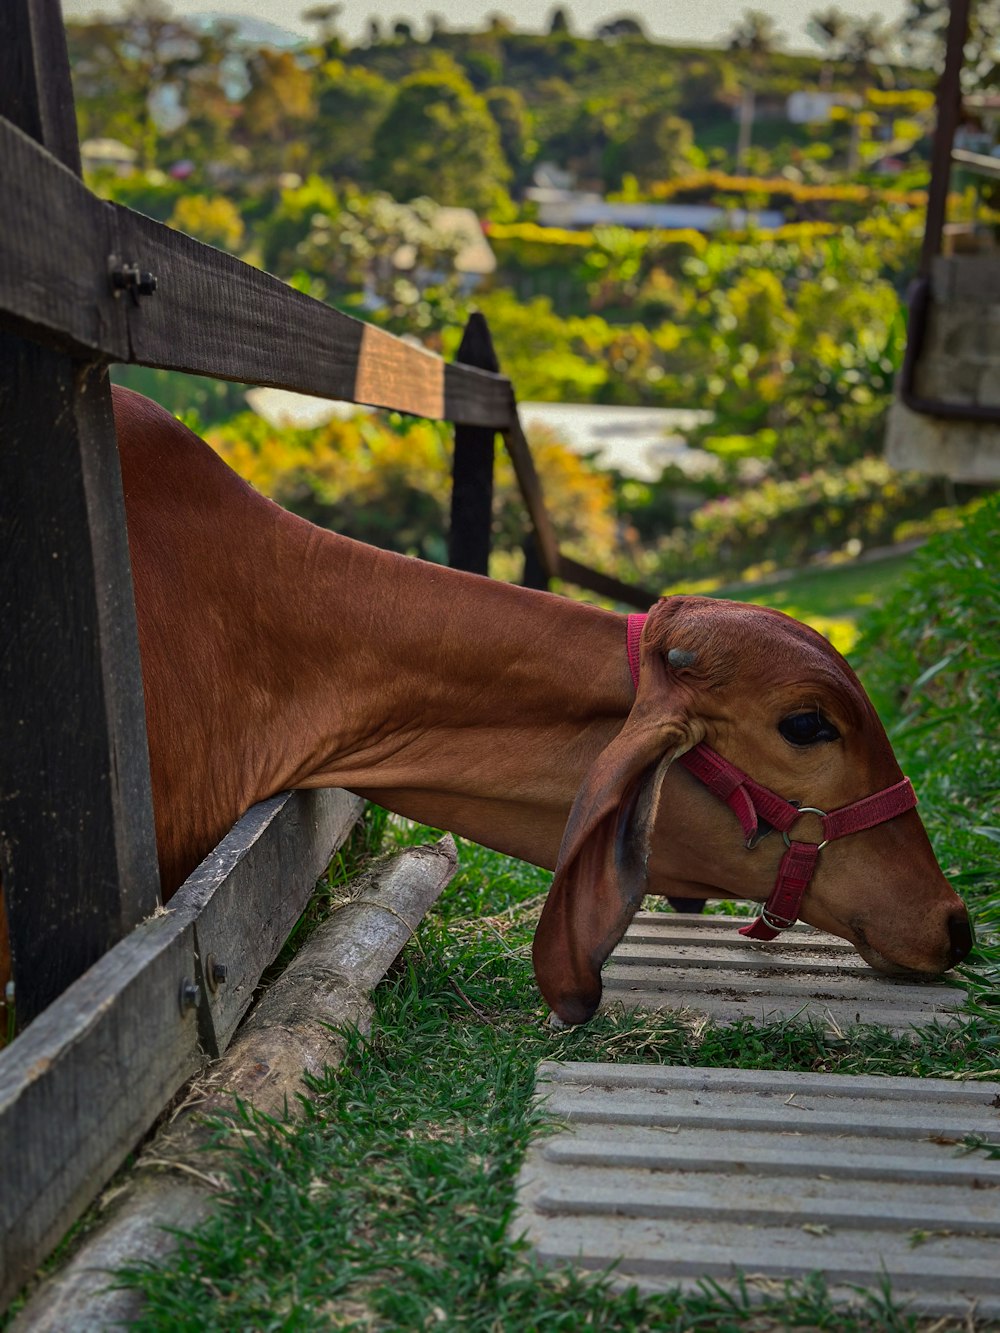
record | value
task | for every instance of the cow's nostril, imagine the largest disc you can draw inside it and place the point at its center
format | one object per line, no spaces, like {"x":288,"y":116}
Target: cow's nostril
{"x":960,"y":933}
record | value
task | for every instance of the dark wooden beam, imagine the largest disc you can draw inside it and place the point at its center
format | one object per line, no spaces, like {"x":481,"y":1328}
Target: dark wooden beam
{"x":252,"y":889}
{"x":77,"y":846}
{"x":571,"y":571}
{"x":547,"y":547}
{"x":35,"y":88}
{"x":55,"y":240}
{"x":213,"y":315}
{"x":82,"y":1085}
{"x":533,"y":574}
{"x":472,"y":469}
{"x":209,"y":314}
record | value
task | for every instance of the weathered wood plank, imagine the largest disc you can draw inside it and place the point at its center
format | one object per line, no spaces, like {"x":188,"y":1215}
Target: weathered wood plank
{"x":390,"y":371}
{"x":77,"y":846}
{"x":472,"y":469}
{"x":249,"y":901}
{"x":477,"y":397}
{"x":87,"y":1079}
{"x":35,"y":88}
{"x":531,"y":489}
{"x":55,"y":238}
{"x":211,"y":314}
{"x":294,"y":1030}
{"x":81,"y":1085}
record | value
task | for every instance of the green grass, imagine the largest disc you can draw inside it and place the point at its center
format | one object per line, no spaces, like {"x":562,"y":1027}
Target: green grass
{"x":832,"y":600}
{"x":390,"y":1206}
{"x":930,"y":658}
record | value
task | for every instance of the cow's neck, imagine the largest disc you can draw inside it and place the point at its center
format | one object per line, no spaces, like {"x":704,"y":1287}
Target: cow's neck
{"x":466,"y":703}
{"x":278,"y":655}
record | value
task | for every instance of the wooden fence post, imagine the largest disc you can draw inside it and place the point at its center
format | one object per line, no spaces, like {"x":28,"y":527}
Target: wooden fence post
{"x":472,"y":470}
{"x":77,"y":845}
{"x":534,"y":575}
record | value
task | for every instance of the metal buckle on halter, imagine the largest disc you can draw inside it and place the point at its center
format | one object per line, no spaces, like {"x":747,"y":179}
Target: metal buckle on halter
{"x":762,"y":830}
{"x":805,"y":810}
{"x":774,"y":921}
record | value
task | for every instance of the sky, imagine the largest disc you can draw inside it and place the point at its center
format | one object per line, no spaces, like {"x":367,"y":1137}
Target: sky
{"x":667,"y":20}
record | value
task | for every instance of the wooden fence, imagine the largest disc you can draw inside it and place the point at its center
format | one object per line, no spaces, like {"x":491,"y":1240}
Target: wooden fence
{"x":120,"y":1001}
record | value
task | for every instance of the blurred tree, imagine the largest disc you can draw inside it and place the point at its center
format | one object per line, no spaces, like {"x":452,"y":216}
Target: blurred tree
{"x":588,"y":141}
{"x":625,"y":26}
{"x":439,"y":139}
{"x":658,"y":147}
{"x":213,"y":219}
{"x":351,"y":103}
{"x":140,"y":78}
{"x":283,"y":232}
{"x":753,"y":39}
{"x":510,"y":114}
{"x":278,"y":110}
{"x":558,"y":21}
{"x":326,"y":17}
{"x":828,"y":28}
{"x":923,"y":28}
{"x":867,"y":48}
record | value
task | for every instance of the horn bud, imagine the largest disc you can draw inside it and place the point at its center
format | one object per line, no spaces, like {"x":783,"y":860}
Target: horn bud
{"x":681,"y":657}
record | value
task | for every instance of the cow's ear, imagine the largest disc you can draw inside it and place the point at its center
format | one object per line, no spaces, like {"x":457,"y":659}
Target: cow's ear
{"x":600,"y":876}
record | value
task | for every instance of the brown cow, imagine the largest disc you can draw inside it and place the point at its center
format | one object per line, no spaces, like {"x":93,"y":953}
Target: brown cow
{"x":277,"y":655}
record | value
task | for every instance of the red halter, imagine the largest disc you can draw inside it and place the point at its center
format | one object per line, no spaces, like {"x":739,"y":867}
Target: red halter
{"x":751,"y":802}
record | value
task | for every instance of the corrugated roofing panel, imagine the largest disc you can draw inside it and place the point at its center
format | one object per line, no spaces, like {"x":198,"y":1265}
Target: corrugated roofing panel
{"x":675,"y":1174}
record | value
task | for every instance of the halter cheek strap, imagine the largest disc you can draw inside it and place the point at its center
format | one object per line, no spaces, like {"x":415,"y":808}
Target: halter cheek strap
{"x":752,"y":803}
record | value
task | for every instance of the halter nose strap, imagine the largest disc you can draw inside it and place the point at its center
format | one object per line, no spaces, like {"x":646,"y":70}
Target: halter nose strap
{"x":751,"y":802}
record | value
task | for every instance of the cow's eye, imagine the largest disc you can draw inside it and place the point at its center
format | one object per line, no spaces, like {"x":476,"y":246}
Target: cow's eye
{"x":808,"y":728}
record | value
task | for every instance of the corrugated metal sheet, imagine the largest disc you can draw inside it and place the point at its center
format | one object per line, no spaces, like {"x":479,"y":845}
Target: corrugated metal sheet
{"x":676,"y":1174}
{"x":669,"y":961}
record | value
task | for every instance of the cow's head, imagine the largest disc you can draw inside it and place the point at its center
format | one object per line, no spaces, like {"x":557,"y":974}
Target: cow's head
{"x":778,"y":701}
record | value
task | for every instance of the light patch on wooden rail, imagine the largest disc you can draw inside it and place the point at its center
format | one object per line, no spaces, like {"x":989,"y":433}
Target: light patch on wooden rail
{"x":397,"y":375}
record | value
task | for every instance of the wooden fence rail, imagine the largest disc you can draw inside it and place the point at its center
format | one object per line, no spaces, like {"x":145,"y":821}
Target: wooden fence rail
{"x":123,"y":998}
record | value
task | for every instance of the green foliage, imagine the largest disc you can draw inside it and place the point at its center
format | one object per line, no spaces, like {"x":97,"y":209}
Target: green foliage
{"x":277,"y":111}
{"x":213,"y":219}
{"x":386,"y":480}
{"x":439,"y":139}
{"x":119,"y":67}
{"x":930,"y":657}
{"x":790,"y":338}
{"x":351,"y":105}
{"x":198,"y":401}
{"x":785,"y":521}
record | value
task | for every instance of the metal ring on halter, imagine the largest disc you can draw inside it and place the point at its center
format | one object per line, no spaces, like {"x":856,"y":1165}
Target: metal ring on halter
{"x":808,"y":810}
{"x":774,"y":921}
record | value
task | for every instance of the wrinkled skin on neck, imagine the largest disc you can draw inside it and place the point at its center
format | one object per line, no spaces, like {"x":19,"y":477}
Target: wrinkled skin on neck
{"x":748,"y":668}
